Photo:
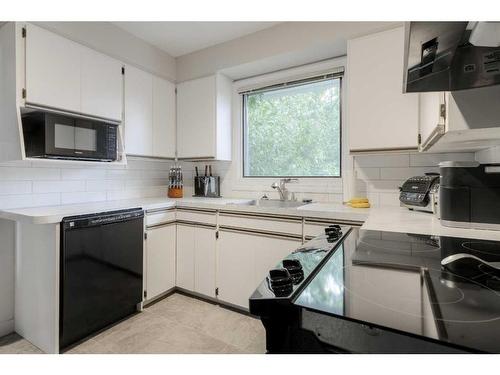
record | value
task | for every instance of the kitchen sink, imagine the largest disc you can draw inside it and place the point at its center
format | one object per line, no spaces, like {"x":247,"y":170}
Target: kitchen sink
{"x":274,"y":203}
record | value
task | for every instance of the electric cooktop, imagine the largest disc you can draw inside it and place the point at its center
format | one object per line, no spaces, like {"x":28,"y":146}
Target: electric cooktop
{"x":389,"y":292}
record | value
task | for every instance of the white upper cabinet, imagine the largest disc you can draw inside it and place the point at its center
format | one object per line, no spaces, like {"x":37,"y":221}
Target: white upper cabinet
{"x":102,"y":85}
{"x":204,"y":118}
{"x":379,"y":116}
{"x":138,"y":112}
{"x":65,"y":75}
{"x":52,"y":70}
{"x":149,"y":114}
{"x":465,"y":120}
{"x":163,"y":118}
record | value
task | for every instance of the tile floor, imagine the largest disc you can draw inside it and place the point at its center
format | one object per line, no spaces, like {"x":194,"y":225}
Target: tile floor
{"x":177,"y":324}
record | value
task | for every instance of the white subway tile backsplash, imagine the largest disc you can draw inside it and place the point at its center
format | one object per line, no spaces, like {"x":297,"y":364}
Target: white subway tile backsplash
{"x":379,"y":176}
{"x":432,"y":160}
{"x":22,"y":173}
{"x":58,"y":186}
{"x":42,"y":183}
{"x":82,"y":174}
{"x":368,"y":173}
{"x":399,"y":160}
{"x":404,"y":173}
{"x":82,"y":197}
{"x":15,"y":187}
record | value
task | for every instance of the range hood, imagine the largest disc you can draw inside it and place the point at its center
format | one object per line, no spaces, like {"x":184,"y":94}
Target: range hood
{"x":450,"y":56}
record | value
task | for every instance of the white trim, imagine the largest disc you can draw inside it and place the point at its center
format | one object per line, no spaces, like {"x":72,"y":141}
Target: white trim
{"x":319,"y":185}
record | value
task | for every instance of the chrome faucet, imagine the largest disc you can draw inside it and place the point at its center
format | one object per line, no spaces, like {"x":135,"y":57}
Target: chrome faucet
{"x":285,"y":194}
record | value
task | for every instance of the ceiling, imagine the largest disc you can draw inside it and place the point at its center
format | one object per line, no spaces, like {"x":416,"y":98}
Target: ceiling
{"x":181,"y":38}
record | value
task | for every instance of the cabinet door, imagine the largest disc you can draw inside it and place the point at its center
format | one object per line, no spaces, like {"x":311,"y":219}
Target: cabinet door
{"x":431,"y":123}
{"x":160,"y":260}
{"x":236,"y":267}
{"x":163,"y":118}
{"x":52,"y":70}
{"x":185,"y":256}
{"x":102,"y":85}
{"x":196,"y":119}
{"x":204,"y":261}
{"x":244,"y":260}
{"x":380,"y":116}
{"x":269,"y":252}
{"x":138,"y":112}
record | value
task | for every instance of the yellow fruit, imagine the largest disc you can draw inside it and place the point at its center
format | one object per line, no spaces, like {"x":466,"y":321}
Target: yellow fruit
{"x":358,"y":200}
{"x":360,"y":205}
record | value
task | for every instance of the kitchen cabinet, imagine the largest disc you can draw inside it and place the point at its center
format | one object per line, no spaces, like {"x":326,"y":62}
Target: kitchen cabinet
{"x":102,"y":85}
{"x":379,"y":116}
{"x":196,"y":258}
{"x":466,"y":120}
{"x":185,"y":256}
{"x":53,"y":68}
{"x":138,"y":112}
{"x":243,"y":261}
{"x":149,"y":114}
{"x":163,"y":118}
{"x":204,"y":261}
{"x":204,"y":118}
{"x":65,"y":75}
{"x":160,"y":260}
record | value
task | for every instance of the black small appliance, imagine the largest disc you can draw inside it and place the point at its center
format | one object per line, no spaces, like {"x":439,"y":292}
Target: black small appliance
{"x":51,"y":135}
{"x":469,"y":195}
{"x":416,"y":192}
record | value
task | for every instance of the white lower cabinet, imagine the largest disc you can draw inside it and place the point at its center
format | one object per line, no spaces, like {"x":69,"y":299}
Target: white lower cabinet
{"x":243,"y":261}
{"x":160,"y":260}
{"x":204,"y":261}
{"x":185,"y":257}
{"x":196,"y":259}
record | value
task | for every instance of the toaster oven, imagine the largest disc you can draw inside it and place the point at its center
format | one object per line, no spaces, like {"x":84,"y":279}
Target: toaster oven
{"x":420,"y":193}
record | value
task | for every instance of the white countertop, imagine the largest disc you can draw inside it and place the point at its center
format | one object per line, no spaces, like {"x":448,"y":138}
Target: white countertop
{"x":54,"y":214}
{"x":402,"y":220}
{"x":391,"y":219}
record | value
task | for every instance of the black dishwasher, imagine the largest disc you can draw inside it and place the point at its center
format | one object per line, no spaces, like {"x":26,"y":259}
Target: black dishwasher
{"x":100,"y":271}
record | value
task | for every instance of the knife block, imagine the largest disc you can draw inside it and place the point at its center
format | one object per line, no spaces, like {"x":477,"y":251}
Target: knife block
{"x":207,"y":186}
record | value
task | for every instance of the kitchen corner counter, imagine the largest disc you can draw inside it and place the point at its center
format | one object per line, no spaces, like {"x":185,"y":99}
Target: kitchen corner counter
{"x":402,"y":220}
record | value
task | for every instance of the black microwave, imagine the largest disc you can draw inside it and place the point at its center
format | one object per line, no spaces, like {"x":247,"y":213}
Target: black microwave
{"x":50,"y":135}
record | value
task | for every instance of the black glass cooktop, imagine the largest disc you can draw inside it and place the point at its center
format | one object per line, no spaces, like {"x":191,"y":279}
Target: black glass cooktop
{"x":396,"y":281}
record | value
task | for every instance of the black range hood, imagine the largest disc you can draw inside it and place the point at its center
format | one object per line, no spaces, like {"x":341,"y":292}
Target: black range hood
{"x":450,"y":56}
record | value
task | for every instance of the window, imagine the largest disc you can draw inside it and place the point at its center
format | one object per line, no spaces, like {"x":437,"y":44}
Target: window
{"x":293,"y":129}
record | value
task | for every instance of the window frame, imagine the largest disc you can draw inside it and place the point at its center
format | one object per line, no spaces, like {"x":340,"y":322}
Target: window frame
{"x":285,"y":84}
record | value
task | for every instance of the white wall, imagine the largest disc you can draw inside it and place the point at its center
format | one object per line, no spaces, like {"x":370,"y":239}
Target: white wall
{"x":7,"y":237}
{"x":115,"y":42}
{"x":282,"y":46}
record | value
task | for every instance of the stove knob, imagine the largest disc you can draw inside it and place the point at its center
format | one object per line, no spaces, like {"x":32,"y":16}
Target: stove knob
{"x":280,"y":281}
{"x":295,"y":269}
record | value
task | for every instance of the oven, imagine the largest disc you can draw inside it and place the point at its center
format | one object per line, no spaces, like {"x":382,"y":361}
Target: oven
{"x":51,"y":135}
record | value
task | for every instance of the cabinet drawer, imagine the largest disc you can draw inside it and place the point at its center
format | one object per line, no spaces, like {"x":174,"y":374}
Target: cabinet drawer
{"x":160,"y":217}
{"x":262,"y":223}
{"x":205,"y":217}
